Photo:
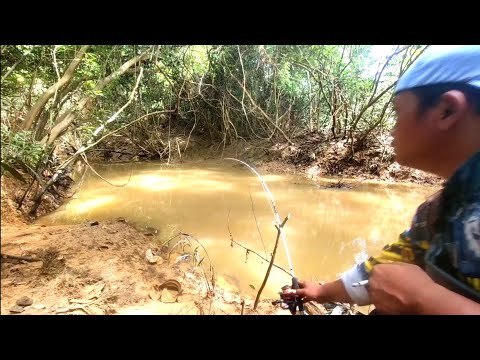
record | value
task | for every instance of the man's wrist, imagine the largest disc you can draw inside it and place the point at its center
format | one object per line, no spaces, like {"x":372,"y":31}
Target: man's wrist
{"x":320,"y":293}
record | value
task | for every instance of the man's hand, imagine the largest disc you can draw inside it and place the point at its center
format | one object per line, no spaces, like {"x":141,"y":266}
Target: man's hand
{"x":399,"y":288}
{"x":308,"y":291}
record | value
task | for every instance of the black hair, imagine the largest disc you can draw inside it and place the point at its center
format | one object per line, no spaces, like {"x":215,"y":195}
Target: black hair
{"x":430,"y":95}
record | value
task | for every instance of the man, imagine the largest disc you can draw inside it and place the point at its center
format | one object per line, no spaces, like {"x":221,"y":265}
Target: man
{"x":434,"y":267}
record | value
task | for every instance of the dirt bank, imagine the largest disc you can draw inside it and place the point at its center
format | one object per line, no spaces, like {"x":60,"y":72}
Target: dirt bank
{"x":102,"y":269}
{"x":311,"y":155}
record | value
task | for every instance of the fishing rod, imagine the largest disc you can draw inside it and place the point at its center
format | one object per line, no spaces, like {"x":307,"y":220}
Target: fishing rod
{"x":296,"y":302}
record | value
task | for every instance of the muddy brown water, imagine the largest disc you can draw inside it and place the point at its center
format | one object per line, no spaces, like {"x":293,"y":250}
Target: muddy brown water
{"x":329,"y":229}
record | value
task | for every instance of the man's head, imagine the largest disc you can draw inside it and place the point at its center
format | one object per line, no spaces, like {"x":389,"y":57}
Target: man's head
{"x":437,"y":102}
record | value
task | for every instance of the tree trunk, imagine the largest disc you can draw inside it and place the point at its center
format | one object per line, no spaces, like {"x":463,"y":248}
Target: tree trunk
{"x":62,"y":96}
{"x":360,"y":143}
{"x":334,"y":111}
{"x":374,"y":98}
{"x":14,"y":66}
{"x":372,"y":101}
{"x":69,"y":115}
{"x":37,"y":109}
{"x":28,"y":102}
{"x":345,"y":105}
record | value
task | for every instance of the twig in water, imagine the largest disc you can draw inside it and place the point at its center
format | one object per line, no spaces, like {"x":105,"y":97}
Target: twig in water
{"x":100,"y":176}
{"x":250,"y":250}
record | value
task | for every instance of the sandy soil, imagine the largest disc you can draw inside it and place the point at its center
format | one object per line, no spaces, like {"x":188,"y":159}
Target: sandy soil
{"x":104,"y":269}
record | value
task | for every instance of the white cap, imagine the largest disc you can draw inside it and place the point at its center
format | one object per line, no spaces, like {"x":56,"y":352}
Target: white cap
{"x":443,"y":64}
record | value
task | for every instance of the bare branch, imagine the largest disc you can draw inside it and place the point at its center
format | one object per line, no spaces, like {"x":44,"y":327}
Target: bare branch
{"x":263,"y":112}
{"x":67,"y":118}
{"x":114,"y":116}
{"x":279,"y":231}
{"x":250,"y":250}
{"x":244,"y":82}
{"x":36,"y":110}
{"x":15,"y":65}
{"x":100,"y":176}
{"x":21,"y":258}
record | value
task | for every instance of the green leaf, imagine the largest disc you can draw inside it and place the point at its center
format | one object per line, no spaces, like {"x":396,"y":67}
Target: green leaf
{"x":12,"y":171}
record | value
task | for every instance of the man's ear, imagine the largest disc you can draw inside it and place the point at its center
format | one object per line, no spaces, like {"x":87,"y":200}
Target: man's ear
{"x":452,"y":107}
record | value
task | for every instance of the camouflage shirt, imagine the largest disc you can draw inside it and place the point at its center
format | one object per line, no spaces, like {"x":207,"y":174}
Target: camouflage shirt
{"x":450,"y":219}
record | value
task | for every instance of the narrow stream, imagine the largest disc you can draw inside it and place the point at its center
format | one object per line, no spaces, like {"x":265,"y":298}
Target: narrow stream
{"x":329,"y":229}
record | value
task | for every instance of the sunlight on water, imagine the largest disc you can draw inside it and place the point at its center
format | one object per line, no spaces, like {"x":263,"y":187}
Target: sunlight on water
{"x":329,"y":230}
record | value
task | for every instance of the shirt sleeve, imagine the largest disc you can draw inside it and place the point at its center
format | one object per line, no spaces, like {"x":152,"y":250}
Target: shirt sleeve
{"x":401,"y":250}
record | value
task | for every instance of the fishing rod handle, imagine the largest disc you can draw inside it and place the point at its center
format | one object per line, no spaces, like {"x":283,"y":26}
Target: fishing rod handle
{"x":298,"y":301}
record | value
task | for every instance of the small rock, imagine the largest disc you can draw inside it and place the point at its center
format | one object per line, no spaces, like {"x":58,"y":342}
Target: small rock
{"x":152,"y":259}
{"x":94,"y":223}
{"x":39,"y":306}
{"x":24,"y":301}
{"x":121,"y":219}
{"x":17,"y":309}
{"x":151,"y":230}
